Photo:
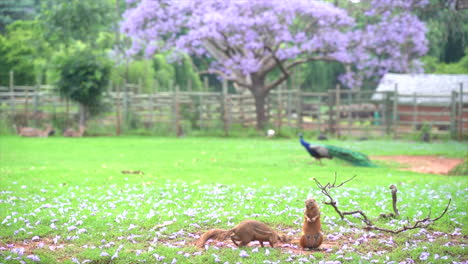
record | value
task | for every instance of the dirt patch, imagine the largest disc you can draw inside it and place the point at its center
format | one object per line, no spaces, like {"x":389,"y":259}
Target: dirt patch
{"x":423,"y":164}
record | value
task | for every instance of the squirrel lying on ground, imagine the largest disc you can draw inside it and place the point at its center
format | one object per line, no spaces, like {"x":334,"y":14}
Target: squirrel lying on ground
{"x":245,"y":232}
{"x":312,"y":236}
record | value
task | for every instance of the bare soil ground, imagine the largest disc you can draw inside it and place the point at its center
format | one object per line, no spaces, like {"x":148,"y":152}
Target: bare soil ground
{"x":423,"y":164}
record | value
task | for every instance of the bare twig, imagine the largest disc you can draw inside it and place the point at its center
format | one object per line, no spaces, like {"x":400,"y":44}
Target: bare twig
{"x":422,"y":223}
{"x":332,"y":202}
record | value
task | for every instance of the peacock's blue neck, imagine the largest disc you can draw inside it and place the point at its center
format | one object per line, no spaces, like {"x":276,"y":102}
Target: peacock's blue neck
{"x":304,"y":143}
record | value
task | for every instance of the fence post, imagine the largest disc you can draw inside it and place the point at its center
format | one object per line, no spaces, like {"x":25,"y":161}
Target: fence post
{"x":126,"y":103}
{"x":224,"y":113}
{"x":395,"y":111}
{"x":460,"y":113}
{"x":117,"y":110}
{"x":288,"y":107}
{"x":337,"y":112}
{"x":12,"y":93}
{"x":299,"y":108}
{"x":279,"y":115}
{"x":331,"y":110}
{"x":153,"y":102}
{"x":415,"y":110}
{"x":388,"y":113}
{"x":349,"y":112}
{"x":36,"y":99}
{"x":189,"y":85}
{"x":175,"y":112}
{"x":139,"y":88}
{"x":206,"y":84}
{"x":453,"y":116}
{"x":26,"y":104}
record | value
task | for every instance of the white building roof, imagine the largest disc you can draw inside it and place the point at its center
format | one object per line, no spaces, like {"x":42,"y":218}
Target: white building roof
{"x":430,"y":85}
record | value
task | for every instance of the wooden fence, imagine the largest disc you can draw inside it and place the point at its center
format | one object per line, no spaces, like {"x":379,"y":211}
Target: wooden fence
{"x":338,"y":112}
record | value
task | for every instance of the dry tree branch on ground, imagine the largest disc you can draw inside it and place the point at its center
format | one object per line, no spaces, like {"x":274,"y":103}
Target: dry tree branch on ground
{"x":421,"y":223}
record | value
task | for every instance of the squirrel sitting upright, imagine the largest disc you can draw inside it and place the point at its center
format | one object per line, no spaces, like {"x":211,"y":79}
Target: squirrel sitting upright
{"x":245,"y":232}
{"x":312,"y":236}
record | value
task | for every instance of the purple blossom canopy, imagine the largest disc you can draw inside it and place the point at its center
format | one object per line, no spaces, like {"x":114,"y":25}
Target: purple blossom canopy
{"x":253,"y":37}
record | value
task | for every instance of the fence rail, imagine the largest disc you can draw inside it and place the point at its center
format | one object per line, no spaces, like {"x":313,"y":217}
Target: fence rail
{"x":339,"y":112}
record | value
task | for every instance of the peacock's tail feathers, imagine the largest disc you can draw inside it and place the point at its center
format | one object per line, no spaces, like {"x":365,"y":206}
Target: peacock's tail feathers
{"x":353,"y":157}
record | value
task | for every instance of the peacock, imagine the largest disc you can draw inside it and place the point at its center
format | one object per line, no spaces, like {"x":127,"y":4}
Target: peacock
{"x":327,"y":151}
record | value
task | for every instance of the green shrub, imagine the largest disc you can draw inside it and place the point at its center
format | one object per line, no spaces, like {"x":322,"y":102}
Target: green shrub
{"x":84,"y":76}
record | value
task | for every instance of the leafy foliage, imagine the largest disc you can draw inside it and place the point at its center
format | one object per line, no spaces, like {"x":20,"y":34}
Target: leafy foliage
{"x":12,"y":10}
{"x":447,"y":30}
{"x":21,"y":51}
{"x":178,"y":73}
{"x":137,"y":72}
{"x":67,"y":21}
{"x":83,"y":78}
{"x":433,"y":65}
{"x":164,"y":72}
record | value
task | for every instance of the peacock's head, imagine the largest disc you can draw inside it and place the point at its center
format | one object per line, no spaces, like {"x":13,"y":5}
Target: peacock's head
{"x":300,"y":134}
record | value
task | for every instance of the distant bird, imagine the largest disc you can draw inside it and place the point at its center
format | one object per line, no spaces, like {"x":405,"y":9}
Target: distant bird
{"x":270,"y":133}
{"x":328,"y":151}
{"x":322,"y":137}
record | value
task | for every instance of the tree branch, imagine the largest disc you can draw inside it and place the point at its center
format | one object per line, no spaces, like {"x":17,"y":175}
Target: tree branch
{"x":285,"y":75}
{"x":315,"y":58}
{"x":422,"y":223}
{"x":226,"y":77}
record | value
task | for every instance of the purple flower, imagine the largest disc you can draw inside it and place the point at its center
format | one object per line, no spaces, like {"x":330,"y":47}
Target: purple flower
{"x":424,"y":255}
{"x":158,"y":257}
{"x":34,"y":258}
{"x":243,"y":254}
{"x":19,"y":251}
{"x":81,"y":231}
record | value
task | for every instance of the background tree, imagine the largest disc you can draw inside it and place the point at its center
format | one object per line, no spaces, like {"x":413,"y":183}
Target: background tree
{"x":67,"y":24}
{"x":76,"y":20}
{"x":12,"y":10}
{"x":248,"y":40}
{"x":83,"y":78}
{"x":448,"y":30}
{"x":23,"y":51}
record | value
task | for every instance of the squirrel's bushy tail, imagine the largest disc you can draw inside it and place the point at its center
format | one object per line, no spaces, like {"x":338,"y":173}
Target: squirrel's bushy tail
{"x":217,"y":234}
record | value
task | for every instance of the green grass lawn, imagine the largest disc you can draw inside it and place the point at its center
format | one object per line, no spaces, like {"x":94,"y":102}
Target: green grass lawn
{"x":66,"y":200}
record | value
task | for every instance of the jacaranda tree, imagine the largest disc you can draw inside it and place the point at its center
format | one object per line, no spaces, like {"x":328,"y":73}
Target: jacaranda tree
{"x":249,"y":40}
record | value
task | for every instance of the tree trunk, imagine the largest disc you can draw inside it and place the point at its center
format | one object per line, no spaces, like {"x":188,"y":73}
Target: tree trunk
{"x":260,"y":110}
{"x":83,"y":110}
{"x":259,"y":94}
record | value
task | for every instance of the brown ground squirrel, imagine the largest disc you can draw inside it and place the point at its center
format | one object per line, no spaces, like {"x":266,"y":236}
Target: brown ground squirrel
{"x":245,"y":232}
{"x":312,"y":236}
